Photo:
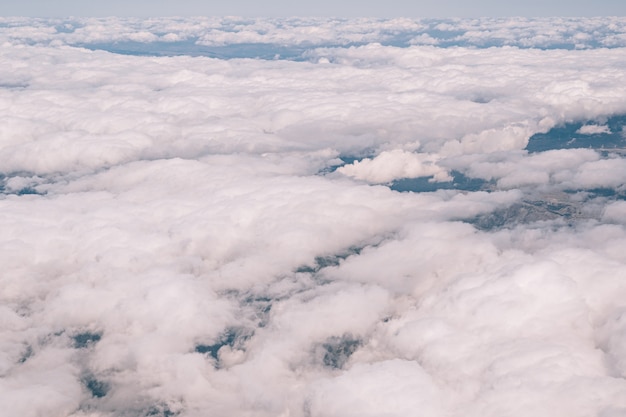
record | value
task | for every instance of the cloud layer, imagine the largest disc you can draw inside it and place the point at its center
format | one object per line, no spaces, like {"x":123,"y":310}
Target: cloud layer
{"x":169,"y":33}
{"x":192,"y":236}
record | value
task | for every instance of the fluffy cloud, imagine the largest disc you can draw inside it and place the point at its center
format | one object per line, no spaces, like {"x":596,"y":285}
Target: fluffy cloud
{"x":390,"y":165}
{"x":191,"y":236}
{"x":593,"y":129}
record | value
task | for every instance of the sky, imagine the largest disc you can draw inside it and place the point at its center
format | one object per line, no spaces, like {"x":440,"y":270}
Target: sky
{"x":283,"y":8}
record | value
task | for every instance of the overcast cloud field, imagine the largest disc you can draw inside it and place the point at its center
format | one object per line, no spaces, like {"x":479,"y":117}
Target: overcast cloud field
{"x":312,"y":217}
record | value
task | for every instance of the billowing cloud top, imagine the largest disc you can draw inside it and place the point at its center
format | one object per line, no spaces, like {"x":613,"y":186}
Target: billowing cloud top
{"x":367,"y":222}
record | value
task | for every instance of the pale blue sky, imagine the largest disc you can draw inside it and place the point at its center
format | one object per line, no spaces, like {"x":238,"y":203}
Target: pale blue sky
{"x":347,"y":8}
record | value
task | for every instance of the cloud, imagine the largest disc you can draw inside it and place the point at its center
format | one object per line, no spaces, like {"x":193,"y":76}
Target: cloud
{"x":548,"y":33}
{"x":374,"y":389}
{"x":593,"y":129}
{"x":189,"y":235}
{"x":615,"y":212}
{"x":390,"y":165}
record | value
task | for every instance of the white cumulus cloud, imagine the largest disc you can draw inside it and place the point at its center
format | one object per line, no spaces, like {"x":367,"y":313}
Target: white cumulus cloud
{"x":182,"y":235}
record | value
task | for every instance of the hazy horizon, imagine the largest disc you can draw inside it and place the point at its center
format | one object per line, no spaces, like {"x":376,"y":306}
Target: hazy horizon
{"x":326,"y":8}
